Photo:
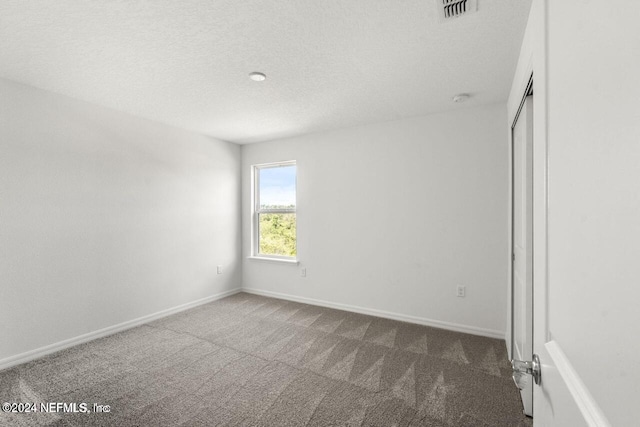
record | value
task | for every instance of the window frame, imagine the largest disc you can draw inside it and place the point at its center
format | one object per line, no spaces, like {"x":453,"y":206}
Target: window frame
{"x":255,"y":228}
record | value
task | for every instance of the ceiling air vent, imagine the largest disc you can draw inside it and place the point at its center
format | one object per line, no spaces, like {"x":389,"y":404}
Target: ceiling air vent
{"x":450,"y":9}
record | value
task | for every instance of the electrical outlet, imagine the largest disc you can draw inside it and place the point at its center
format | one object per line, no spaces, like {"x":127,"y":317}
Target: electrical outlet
{"x":219,"y":269}
{"x":303,"y":272}
{"x":461,"y":291}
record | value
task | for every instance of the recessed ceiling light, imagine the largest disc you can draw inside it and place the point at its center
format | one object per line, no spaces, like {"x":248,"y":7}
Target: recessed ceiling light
{"x":461,"y":97}
{"x":257,"y":76}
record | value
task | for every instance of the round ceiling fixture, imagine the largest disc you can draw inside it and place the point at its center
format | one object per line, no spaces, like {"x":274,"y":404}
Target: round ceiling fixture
{"x":461,"y":97}
{"x":257,"y":76}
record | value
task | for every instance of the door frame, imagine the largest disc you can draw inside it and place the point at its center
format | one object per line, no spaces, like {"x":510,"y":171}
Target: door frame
{"x":530,"y":55}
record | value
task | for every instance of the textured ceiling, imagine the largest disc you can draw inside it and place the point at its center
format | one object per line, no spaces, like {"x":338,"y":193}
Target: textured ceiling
{"x":329,"y":63}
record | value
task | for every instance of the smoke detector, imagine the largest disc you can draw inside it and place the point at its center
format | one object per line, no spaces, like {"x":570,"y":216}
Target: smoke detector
{"x":461,"y":97}
{"x":449,"y":9}
{"x":257,"y":76}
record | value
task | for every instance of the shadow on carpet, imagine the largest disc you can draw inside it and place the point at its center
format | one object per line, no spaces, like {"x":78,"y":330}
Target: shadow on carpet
{"x":248,"y":360}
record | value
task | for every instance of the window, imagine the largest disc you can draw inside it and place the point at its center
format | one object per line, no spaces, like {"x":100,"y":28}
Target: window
{"x":274,"y":217}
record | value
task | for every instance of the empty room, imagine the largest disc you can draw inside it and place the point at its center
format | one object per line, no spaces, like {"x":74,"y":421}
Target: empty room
{"x":319,"y":213}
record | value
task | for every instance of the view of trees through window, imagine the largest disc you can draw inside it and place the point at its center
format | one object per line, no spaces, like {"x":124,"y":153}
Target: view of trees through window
{"x":278,"y":234}
{"x":276,"y":210}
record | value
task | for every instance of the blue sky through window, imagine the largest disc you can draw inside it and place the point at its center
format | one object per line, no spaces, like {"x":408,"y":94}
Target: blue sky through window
{"x":278,"y":186}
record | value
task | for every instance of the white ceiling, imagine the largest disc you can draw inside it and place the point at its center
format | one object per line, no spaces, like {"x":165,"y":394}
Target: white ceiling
{"x":329,"y":63}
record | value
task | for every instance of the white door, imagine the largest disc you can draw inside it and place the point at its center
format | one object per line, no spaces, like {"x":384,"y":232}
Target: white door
{"x":522,"y":244}
{"x":558,"y":398}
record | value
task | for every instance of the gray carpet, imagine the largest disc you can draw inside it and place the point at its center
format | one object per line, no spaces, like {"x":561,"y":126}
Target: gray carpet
{"x":248,"y":360}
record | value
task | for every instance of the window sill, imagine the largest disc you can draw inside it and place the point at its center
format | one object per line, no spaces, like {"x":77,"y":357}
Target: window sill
{"x":275,"y":260}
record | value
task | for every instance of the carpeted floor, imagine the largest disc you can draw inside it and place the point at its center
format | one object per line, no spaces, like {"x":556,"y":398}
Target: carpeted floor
{"x":248,"y":360}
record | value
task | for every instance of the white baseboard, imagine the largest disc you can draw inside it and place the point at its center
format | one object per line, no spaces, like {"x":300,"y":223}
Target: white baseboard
{"x":585,"y":402}
{"x":380,"y":313}
{"x":52,"y":348}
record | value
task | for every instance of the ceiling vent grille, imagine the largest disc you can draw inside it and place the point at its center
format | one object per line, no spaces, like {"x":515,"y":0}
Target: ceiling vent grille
{"x":450,"y":9}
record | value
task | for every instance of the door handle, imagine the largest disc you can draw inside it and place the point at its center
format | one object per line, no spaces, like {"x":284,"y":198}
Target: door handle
{"x":522,"y":369}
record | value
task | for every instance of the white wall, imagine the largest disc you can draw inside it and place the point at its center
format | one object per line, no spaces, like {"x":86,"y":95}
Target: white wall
{"x":105,"y":218}
{"x":393,"y":216}
{"x":594,"y":196}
